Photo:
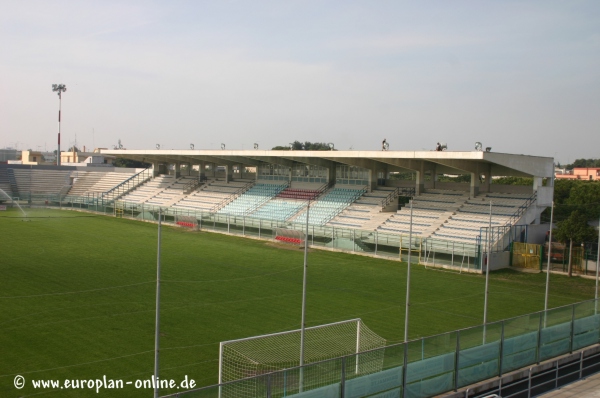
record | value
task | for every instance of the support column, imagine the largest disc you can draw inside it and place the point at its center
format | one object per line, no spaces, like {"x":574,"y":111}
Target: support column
{"x":434,"y":176}
{"x":487,"y":184}
{"x":202,"y":171}
{"x":420,"y":180}
{"x":331,"y":174}
{"x":155,"y":169}
{"x":228,"y":173}
{"x":177,"y":170}
{"x":475,"y":183}
{"x":537,"y":183}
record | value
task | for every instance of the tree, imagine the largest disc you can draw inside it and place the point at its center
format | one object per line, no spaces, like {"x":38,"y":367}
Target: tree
{"x":583,"y":163}
{"x":574,"y":229}
{"x":586,"y":198}
{"x":306,"y":146}
{"x":513,"y":181}
{"x":73,"y":149}
{"x":122,"y":162}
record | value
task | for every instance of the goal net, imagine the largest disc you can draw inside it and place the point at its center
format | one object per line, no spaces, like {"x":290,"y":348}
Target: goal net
{"x":288,"y":236}
{"x":255,"y":356}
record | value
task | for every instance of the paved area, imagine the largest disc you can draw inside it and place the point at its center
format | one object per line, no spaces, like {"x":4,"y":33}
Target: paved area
{"x":587,"y":388}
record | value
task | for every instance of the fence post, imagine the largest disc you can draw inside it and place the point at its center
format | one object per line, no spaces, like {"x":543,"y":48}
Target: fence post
{"x":456,"y":360}
{"x":539,"y":339}
{"x":572,"y":329}
{"x":404,"y":369}
{"x":343,"y":378}
{"x":269,"y":385}
{"x":500,"y":364}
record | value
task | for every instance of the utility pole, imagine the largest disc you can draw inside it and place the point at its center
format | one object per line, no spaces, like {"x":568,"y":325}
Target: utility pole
{"x":59,"y":88}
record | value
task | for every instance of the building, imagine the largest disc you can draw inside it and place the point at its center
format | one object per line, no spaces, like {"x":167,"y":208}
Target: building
{"x":579,"y":173}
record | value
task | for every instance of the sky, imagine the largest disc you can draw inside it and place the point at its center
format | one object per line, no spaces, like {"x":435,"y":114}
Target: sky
{"x":521,"y":77}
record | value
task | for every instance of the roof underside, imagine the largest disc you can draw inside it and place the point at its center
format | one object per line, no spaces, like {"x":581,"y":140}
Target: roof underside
{"x":499,"y":164}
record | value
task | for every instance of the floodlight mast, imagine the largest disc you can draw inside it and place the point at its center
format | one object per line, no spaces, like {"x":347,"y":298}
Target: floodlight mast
{"x":59,"y":88}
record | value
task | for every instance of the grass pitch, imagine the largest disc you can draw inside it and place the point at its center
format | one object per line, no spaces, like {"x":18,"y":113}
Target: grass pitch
{"x":77,"y":293}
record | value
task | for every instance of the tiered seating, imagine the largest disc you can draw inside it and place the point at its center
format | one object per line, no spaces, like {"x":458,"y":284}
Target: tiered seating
{"x":252,"y":199}
{"x":363,"y":210}
{"x":4,"y":184}
{"x":430,"y":210}
{"x":423,"y":221}
{"x":302,"y":194}
{"x":171,"y":193}
{"x":288,"y":239}
{"x":40,"y":181}
{"x":465,"y":225}
{"x":330,"y":205}
{"x":96,"y":181}
{"x":149,"y":189}
{"x":440,"y":200}
{"x":209,"y":196}
{"x":278,"y":209}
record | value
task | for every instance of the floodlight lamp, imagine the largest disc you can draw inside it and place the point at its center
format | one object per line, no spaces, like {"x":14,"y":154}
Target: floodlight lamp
{"x":157,"y":146}
{"x":330,"y":145}
{"x":444,"y":146}
{"x":191,"y":146}
{"x":478,"y":146}
{"x":255,"y":145}
{"x":488,"y":149}
{"x":222,"y":146}
{"x":386,"y":146}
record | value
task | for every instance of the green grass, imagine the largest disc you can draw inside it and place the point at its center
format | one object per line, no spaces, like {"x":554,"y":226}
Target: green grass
{"x":77,"y":298}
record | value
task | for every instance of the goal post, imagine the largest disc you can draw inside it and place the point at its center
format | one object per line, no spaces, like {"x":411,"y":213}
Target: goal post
{"x":252,"y":357}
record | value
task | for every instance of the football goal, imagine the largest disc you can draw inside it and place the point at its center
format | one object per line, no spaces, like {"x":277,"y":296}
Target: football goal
{"x":259,"y":355}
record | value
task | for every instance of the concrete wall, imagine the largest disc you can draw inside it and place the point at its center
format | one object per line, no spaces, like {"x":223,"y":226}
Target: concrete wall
{"x":453,"y":186}
{"x":536,"y":234}
{"x":400,"y":183}
{"x":545,"y":195}
{"x":500,"y":188}
{"x":499,"y":260}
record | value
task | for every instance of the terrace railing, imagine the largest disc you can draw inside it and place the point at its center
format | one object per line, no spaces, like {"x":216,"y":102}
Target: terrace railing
{"x":126,"y":186}
{"x":233,"y":197}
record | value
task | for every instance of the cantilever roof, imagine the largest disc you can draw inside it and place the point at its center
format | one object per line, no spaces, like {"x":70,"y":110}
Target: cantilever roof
{"x":450,"y":162}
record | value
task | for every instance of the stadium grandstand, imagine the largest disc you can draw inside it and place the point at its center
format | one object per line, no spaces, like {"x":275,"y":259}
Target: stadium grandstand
{"x":351,"y":200}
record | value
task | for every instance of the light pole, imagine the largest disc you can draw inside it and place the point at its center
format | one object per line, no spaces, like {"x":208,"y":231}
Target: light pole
{"x":60,"y":88}
{"x":303,"y":321}
{"x":407,"y":304}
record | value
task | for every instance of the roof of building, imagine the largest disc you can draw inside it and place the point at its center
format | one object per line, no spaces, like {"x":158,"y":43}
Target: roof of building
{"x":446,"y":162}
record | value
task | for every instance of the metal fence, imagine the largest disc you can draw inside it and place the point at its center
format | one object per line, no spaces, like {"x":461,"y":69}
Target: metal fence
{"x":429,"y":251}
{"x":432,"y":365}
{"x":434,"y":252}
